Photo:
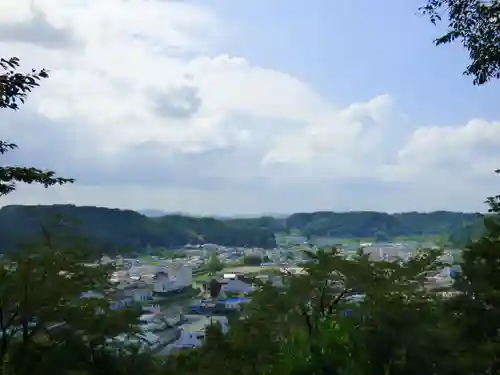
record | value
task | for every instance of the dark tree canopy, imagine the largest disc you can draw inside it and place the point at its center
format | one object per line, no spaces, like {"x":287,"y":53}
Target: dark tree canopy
{"x":476,"y":25}
{"x":214,"y":288}
{"x":130,"y":231}
{"x":14,"y":89}
{"x":214,"y":264}
{"x":124,"y":230}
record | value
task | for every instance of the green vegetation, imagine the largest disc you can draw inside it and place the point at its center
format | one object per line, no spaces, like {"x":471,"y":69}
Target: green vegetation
{"x":126,"y":230}
{"x":214,"y":288}
{"x":474,"y":24}
{"x":14,"y":88}
{"x":470,"y":232}
{"x":378,"y":224}
{"x":252,"y":260}
{"x":45,"y":327}
{"x":116,"y":230}
{"x":214,"y":264}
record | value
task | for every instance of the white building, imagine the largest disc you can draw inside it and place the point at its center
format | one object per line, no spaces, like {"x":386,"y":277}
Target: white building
{"x":236,"y":286}
{"x":175,"y":277}
{"x":152,"y":322}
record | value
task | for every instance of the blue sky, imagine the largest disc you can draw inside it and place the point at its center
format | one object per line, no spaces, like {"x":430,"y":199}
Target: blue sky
{"x":357,"y":49}
{"x":232,"y":106}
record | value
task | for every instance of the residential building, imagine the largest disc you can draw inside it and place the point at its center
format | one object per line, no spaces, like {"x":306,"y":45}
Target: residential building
{"x":235,"y":286}
{"x":138,"y":294}
{"x":382,"y":252}
{"x":193,"y":334}
{"x":175,"y":277}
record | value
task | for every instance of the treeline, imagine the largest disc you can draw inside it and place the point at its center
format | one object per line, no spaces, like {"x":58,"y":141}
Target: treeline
{"x":124,"y":230}
{"x":127,"y":230}
{"x":364,"y":224}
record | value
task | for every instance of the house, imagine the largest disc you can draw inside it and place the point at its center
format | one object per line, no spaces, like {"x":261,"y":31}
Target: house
{"x":174,"y":278}
{"x":193,"y":334}
{"x":164,"y":284}
{"x":236,"y":286}
{"x":152,"y":322}
{"x":114,"y":304}
{"x":147,"y":341}
{"x":138,"y":294}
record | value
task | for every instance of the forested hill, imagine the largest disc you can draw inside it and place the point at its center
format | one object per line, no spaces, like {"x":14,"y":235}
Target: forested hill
{"x":126,"y":229}
{"x":114,"y":228}
{"x":364,"y":224}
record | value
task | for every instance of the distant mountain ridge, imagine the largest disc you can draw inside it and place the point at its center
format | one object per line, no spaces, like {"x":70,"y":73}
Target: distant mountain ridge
{"x":113,"y":228}
{"x":362,"y":224}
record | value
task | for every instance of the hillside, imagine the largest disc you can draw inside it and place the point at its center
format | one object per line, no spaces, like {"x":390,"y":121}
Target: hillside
{"x":364,"y":224}
{"x":113,"y":228}
{"x":126,"y":229}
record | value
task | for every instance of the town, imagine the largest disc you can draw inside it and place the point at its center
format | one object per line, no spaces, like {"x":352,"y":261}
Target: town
{"x":203,"y":284}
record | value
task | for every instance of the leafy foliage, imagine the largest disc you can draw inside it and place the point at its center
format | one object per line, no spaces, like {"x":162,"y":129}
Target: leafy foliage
{"x":470,"y":232}
{"x":214,"y":288}
{"x":341,"y":316}
{"x":369,"y":224}
{"x":15,"y":86}
{"x":124,"y":230}
{"x":214,"y":264}
{"x":252,"y":260}
{"x":14,"y":89}
{"x":476,"y":25}
{"x":477,"y":306}
{"x":44,"y":323}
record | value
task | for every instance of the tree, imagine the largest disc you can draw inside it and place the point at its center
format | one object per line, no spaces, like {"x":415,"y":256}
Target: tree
{"x":252,"y":260}
{"x":214,"y":288}
{"x":214,"y":264}
{"x":14,"y":89}
{"x":476,"y":25}
{"x":381,"y":237}
{"x":477,"y":306}
{"x":45,"y":324}
{"x":42,"y":315}
{"x":125,"y":231}
{"x":312,"y":326}
{"x":402,"y":327}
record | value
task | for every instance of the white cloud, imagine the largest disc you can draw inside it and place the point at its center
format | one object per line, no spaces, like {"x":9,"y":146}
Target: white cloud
{"x":143,"y":109}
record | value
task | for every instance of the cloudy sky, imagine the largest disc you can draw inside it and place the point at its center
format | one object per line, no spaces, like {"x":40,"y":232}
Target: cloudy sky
{"x":248,"y":106}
